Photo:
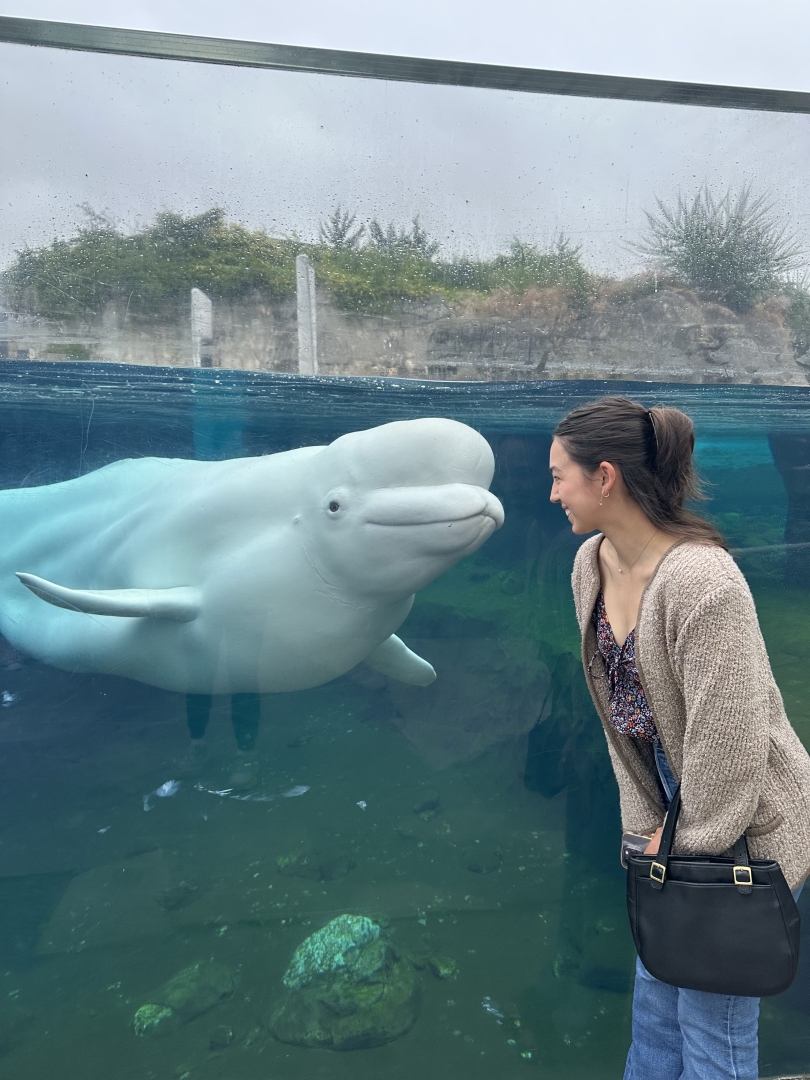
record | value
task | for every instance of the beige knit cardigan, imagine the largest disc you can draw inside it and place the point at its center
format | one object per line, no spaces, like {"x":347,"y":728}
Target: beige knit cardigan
{"x":705,"y":671}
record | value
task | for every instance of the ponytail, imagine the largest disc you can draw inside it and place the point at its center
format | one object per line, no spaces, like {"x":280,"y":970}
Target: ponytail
{"x":652,"y":449}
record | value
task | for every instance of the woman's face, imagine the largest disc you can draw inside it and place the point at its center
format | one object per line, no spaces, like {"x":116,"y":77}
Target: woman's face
{"x":576,"y":493}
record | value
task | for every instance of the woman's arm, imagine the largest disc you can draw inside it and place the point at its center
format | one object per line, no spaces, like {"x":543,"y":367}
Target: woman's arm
{"x":728,"y":691}
{"x":638,"y":816}
{"x":655,"y":841}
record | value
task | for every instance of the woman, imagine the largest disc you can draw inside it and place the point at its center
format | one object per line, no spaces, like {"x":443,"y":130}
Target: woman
{"x":679,"y":675}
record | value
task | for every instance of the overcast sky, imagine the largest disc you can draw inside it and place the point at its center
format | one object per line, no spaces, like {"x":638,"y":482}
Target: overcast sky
{"x":279,"y":150}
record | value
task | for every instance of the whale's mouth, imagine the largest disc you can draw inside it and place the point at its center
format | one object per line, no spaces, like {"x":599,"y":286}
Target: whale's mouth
{"x":448,"y":505}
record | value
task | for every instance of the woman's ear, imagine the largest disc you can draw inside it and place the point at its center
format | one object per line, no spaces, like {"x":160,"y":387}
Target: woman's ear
{"x":607,"y":477}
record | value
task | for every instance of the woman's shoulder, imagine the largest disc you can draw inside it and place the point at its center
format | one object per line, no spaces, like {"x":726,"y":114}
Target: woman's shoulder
{"x":690,"y":571}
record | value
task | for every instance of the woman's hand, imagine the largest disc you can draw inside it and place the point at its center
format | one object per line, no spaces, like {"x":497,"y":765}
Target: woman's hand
{"x":655,"y":840}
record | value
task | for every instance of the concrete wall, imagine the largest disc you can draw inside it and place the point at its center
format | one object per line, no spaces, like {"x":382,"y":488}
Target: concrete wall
{"x":665,"y":336}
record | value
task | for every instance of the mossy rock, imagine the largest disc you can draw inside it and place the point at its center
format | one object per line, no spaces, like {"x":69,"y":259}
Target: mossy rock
{"x":347,"y":996}
{"x":153,"y":1019}
{"x":188,"y":994}
{"x":443,"y":967}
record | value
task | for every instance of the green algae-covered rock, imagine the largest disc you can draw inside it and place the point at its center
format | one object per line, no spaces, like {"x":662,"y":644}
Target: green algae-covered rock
{"x":188,"y":994}
{"x":338,"y":945}
{"x":443,"y":967}
{"x":152,"y":1019}
{"x":347,"y":989}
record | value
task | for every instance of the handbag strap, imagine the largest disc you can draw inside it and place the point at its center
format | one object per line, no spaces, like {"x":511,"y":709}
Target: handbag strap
{"x":658,"y":867}
{"x":741,"y":872}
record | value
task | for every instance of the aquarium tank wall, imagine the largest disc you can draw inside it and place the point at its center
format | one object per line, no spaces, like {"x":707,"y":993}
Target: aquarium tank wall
{"x":245,"y":832}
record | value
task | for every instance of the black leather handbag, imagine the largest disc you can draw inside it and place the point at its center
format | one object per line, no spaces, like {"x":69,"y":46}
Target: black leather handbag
{"x":703,"y":922}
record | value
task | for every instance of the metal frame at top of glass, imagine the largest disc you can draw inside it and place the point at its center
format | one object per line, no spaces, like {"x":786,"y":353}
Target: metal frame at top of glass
{"x":235,"y":53}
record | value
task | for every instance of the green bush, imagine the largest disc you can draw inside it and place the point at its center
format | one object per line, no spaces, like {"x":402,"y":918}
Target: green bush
{"x":394,"y":265}
{"x":338,"y":231}
{"x":732,"y":250}
{"x":368,"y":269}
{"x":414,"y":241}
{"x":527,"y":266}
{"x":404,"y":265}
{"x":160,"y":264}
{"x":524,"y":267}
{"x":797,"y":316}
{"x":369,"y":281}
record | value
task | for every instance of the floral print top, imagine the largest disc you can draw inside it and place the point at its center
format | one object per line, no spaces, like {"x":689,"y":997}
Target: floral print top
{"x":630,"y":712}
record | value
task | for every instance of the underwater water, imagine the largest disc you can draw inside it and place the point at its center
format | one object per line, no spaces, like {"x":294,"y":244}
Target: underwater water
{"x":475,"y":821}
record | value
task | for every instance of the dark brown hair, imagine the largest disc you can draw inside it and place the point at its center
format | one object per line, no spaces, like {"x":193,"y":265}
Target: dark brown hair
{"x":652,"y":449}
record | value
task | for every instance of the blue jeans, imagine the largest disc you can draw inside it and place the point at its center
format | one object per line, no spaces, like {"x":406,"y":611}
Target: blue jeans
{"x":690,"y":1034}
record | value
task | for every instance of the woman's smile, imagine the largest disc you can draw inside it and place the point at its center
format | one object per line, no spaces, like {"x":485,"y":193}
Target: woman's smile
{"x":568,"y":482}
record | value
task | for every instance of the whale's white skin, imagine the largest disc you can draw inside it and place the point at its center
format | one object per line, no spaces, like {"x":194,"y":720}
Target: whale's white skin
{"x":263,"y":575}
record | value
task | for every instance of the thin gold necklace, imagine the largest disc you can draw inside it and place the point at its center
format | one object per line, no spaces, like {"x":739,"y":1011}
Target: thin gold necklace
{"x":630,"y":567}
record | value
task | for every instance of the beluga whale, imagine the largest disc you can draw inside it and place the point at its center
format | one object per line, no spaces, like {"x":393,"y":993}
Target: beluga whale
{"x":251,"y":575}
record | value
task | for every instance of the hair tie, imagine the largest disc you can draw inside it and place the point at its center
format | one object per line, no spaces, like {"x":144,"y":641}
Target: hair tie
{"x":651,"y":418}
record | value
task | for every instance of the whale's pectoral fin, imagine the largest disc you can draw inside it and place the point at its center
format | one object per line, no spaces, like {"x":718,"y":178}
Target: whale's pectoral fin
{"x":181,"y":604}
{"x":394,"y":658}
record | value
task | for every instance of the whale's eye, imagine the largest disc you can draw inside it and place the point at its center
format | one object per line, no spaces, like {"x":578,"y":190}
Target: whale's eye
{"x":334,"y":506}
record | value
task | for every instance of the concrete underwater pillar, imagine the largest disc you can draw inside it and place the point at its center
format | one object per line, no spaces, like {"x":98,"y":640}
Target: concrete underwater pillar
{"x":307,"y":324}
{"x":219,"y":418}
{"x":202,"y":329}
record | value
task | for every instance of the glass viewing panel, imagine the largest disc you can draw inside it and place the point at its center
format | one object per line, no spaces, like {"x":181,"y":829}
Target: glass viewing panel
{"x":454,"y":233}
{"x":501,"y":257}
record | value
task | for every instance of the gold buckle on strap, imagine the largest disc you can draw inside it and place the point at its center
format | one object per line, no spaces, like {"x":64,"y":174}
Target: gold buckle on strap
{"x":743,"y":875}
{"x":658,"y":872}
